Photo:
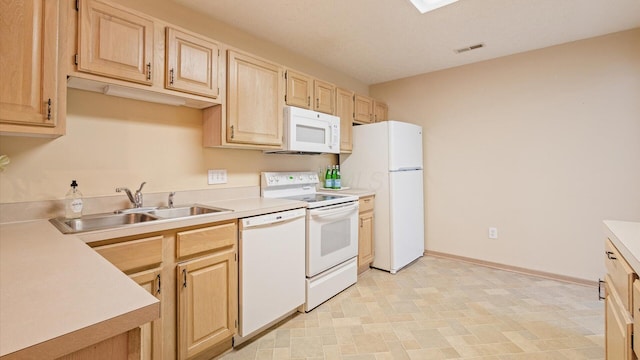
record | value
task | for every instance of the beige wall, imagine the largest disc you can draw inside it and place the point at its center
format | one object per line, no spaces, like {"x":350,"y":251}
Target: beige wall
{"x":114,"y":142}
{"x":543,"y":145}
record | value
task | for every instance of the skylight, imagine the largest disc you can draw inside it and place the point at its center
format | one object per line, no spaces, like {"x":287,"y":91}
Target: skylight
{"x":428,"y":5}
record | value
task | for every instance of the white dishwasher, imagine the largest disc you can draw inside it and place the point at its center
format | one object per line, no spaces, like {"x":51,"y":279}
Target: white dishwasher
{"x":271,"y":269}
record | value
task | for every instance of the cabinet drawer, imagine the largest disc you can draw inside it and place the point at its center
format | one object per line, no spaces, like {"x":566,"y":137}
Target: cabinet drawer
{"x":366,"y":203}
{"x":620,"y":273}
{"x":133,"y":255}
{"x":206,"y":239}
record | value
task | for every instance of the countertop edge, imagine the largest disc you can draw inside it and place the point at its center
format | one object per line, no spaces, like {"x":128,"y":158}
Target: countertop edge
{"x":625,"y":235}
{"x":90,"y":335}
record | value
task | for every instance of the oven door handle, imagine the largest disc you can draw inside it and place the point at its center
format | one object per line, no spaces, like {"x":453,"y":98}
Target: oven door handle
{"x":332,"y":211}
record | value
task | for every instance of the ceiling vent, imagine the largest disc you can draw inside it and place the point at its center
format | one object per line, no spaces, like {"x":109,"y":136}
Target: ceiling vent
{"x":469,"y":48}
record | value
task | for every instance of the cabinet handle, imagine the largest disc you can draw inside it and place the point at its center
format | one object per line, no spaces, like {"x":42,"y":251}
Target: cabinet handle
{"x":184,"y":278}
{"x":149,"y":71}
{"x":159,"y":284}
{"x":308,"y":100}
{"x":367,"y":200}
{"x":317,"y":103}
{"x":232,"y":133}
{"x":361,"y":223}
{"x":609,"y":253}
{"x":49,"y":109}
{"x":600,"y":283}
{"x":171,"y":77}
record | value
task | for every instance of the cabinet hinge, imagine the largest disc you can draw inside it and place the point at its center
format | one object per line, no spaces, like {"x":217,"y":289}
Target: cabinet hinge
{"x":77,"y":5}
{"x":285,"y":98}
{"x":75,"y":59}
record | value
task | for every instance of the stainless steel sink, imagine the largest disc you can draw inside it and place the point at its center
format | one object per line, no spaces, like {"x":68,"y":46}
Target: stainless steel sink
{"x":99,"y":221}
{"x":185,"y":211}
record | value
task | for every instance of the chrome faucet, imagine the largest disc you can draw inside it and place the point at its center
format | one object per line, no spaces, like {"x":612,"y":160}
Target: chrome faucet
{"x":136,"y":200}
{"x":170,"y":201}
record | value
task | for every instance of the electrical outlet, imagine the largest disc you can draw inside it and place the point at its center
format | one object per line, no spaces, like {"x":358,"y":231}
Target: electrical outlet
{"x":493,"y":233}
{"x":218,"y":176}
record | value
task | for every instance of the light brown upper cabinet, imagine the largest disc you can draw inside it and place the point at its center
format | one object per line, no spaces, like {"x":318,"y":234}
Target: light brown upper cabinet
{"x":254,"y":104}
{"x":33,"y":86}
{"x":368,"y":110}
{"x":344,"y":110}
{"x":299,"y":89}
{"x":123,"y":52}
{"x":380,"y":111}
{"x":115,"y":42}
{"x":363,"y":107}
{"x":192,"y":64}
{"x":306,"y":92}
{"x":324,"y":93}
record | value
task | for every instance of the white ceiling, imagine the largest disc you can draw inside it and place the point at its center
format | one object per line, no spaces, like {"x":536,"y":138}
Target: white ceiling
{"x":381,"y":40}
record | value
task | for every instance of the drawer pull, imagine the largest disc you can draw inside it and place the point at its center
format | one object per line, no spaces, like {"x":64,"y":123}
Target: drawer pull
{"x":159,"y":284}
{"x":600,"y":283}
{"x":184,"y":278}
{"x":609,"y":255}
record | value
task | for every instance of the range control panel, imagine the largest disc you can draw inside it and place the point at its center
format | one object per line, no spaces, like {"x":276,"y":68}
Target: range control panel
{"x":276,"y":179}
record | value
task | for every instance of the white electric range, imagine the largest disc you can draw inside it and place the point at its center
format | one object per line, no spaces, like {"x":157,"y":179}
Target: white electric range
{"x":331,"y":232}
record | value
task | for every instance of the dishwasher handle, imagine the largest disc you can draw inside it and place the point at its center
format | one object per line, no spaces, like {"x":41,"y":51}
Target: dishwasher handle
{"x":272,"y":219}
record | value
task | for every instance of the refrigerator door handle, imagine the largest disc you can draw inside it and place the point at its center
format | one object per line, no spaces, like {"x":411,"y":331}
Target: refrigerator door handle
{"x":407,"y":169}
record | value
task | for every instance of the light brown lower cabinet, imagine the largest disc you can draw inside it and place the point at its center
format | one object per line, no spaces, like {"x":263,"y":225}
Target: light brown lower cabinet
{"x":193,"y":271}
{"x":207,"y":290}
{"x":365,"y":234}
{"x":125,"y":346}
{"x":206,"y":294}
{"x":621,"y":302}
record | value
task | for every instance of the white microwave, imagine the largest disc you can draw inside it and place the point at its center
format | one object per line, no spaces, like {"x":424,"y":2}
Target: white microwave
{"x":307,"y":131}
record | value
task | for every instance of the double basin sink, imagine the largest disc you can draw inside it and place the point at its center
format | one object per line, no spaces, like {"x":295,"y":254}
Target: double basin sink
{"x":129,"y":217}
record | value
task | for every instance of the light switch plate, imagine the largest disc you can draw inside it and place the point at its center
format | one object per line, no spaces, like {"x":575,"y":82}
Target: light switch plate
{"x":217,"y":176}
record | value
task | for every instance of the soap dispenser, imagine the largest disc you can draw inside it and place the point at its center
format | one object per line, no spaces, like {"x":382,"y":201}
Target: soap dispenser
{"x":73,"y":202}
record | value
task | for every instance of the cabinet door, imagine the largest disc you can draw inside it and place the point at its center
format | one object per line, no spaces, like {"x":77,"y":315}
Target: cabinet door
{"x":207,"y":302}
{"x":618,"y":327}
{"x":114,"y":42}
{"x":254,"y":101}
{"x":150,"y":333}
{"x":380,"y":111}
{"x":344,"y":110}
{"x":365,"y":240}
{"x":29,"y":62}
{"x":299,"y":89}
{"x":192,"y":64}
{"x":324,"y":93}
{"x":363,"y":109}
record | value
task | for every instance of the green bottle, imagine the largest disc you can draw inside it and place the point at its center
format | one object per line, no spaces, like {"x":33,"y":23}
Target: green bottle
{"x":328,"y":180}
{"x":336,"y":178}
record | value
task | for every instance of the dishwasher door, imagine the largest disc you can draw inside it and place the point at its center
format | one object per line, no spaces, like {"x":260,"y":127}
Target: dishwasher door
{"x":271,"y":268}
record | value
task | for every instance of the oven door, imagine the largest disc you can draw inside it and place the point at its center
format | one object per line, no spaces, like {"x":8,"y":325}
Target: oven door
{"x":332,"y":236}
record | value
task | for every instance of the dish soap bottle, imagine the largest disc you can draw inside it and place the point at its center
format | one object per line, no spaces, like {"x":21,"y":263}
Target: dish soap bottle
{"x":73,"y":202}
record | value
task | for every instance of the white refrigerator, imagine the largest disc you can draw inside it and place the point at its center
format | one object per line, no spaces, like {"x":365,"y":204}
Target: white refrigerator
{"x":387,"y":158}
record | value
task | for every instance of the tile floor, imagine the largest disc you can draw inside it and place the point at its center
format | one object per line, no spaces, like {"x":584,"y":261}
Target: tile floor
{"x":442,"y":309}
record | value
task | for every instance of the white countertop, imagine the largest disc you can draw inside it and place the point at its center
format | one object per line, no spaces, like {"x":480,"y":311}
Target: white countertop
{"x":57,"y":295}
{"x":625,"y":235}
{"x":52,"y":285}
